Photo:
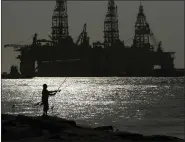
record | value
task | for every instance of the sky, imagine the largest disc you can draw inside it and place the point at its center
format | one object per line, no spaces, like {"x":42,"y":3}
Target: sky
{"x":21,"y":19}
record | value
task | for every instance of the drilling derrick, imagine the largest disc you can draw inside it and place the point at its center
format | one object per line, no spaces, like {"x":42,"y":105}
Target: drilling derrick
{"x":142,"y":31}
{"x":60,"y":21}
{"x":111,"y":32}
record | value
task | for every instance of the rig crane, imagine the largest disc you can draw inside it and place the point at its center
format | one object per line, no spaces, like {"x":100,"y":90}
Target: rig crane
{"x":83,"y":36}
{"x":157,"y":45}
{"x":16,"y":47}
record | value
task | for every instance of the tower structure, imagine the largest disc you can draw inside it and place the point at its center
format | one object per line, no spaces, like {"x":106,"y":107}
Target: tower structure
{"x":142,"y":30}
{"x":60,"y":21}
{"x":111,"y":32}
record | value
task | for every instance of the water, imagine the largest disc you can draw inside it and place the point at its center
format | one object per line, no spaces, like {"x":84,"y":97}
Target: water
{"x":143,"y":105}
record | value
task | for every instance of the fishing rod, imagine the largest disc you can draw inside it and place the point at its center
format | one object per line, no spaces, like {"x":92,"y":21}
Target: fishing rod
{"x":58,"y":91}
{"x":61,"y":84}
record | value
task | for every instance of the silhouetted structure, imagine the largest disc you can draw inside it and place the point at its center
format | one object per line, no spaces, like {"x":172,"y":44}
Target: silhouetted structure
{"x":60,"y":56}
{"x":60,"y":21}
{"x":142,"y":31}
{"x":4,"y":75}
{"x":14,"y":73}
{"x":111,"y":32}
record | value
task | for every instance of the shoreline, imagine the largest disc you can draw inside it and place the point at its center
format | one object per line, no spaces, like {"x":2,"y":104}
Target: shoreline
{"x":50,"y":128}
{"x":160,"y":76}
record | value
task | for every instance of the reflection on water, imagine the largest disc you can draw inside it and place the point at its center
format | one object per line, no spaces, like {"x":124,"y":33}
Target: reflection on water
{"x":142,"y":105}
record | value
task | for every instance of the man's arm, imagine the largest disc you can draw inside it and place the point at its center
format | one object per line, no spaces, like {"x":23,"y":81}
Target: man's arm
{"x":52,"y":93}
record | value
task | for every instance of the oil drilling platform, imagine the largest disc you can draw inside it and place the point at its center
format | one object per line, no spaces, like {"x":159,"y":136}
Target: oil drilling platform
{"x":61,"y":56}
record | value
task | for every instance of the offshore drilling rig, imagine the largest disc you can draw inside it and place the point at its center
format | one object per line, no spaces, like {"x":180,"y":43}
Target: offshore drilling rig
{"x":61,"y":56}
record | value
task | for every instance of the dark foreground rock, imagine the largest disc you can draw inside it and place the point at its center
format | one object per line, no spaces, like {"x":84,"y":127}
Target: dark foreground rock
{"x":33,"y":129}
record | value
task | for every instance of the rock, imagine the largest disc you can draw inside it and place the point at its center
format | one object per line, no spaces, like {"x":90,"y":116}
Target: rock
{"x":53,"y":128}
{"x":161,"y":138}
{"x":8,"y":117}
{"x":42,"y":120}
{"x":16,"y":133}
{"x":104,"y":128}
{"x":60,"y":120}
{"x":56,"y":136}
{"x":129,"y":136}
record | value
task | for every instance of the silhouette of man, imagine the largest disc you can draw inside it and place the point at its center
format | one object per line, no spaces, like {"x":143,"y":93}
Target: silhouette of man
{"x":45,"y":96}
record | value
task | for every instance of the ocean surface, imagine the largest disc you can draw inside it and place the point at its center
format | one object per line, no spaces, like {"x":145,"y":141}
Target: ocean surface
{"x":144,"y":105}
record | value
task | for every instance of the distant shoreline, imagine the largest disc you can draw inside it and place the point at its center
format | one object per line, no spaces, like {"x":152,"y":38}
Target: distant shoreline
{"x":158,"y":73}
{"x":88,"y":76}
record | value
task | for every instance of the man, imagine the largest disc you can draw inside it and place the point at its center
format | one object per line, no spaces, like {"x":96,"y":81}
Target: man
{"x":45,"y":96}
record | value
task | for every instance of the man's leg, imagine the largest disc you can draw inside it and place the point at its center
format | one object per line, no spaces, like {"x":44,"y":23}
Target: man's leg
{"x":44,"y":110}
{"x":47,"y":107}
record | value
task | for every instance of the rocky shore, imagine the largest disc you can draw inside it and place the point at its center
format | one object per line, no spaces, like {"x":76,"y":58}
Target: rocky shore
{"x":53,"y":129}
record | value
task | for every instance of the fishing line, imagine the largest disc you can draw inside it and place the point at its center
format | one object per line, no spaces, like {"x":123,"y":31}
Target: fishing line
{"x":61,"y":84}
